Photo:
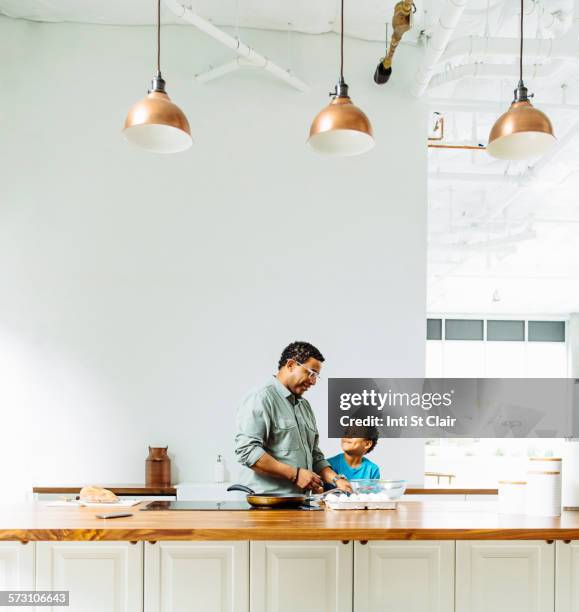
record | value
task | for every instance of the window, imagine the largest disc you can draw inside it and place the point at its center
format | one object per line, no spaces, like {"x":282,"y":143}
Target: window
{"x":463,"y":329}
{"x":546,"y":331}
{"x":434,"y":329}
{"x":491,"y":348}
{"x":496,"y":348}
{"x":506,"y":331}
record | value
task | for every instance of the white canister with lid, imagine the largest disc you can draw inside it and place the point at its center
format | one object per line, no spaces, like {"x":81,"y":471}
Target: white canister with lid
{"x":512,"y":496}
{"x":545,"y":464}
{"x":543,"y":493}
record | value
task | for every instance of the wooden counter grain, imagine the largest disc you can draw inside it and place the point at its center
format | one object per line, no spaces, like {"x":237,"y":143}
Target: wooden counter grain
{"x":411,"y":521}
{"x":117,"y":489}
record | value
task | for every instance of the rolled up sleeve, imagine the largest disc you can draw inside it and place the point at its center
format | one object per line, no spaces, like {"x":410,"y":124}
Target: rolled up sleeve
{"x":253,"y":425}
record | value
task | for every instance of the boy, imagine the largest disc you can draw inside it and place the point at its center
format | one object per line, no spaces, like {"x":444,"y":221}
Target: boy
{"x":352,"y":463}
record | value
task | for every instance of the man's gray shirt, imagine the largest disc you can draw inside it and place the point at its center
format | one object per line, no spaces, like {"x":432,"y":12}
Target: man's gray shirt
{"x":272,"y":420}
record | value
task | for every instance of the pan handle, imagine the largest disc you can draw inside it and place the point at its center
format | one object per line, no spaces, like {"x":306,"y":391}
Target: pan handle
{"x":243,"y":488}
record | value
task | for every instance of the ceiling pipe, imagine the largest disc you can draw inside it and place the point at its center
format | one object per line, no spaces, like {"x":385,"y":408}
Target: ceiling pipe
{"x":447,"y":22}
{"x":478,"y":147}
{"x":484,"y":245}
{"x":559,"y":18}
{"x":473,"y":177}
{"x":496,"y":227}
{"x":244,"y":51}
{"x":541,"y":50}
{"x":401,"y":23}
{"x":494,"y":71}
{"x":215,"y":73}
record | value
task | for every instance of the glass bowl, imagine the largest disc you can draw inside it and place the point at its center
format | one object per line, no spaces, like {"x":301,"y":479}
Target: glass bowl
{"x":394,"y":489}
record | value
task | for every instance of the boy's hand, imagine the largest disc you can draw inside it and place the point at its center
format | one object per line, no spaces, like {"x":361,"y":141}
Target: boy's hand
{"x":344,"y":485}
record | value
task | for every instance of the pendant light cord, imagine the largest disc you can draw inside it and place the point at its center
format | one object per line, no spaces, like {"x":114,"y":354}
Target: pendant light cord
{"x":521,"y":51}
{"x":342,"y":43}
{"x":158,"y":37}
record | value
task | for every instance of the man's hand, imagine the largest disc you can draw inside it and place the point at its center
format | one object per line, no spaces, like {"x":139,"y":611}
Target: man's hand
{"x":344,"y":485}
{"x":308,"y":480}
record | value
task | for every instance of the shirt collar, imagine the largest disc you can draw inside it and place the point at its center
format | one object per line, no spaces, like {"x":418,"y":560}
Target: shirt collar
{"x":284,"y":391}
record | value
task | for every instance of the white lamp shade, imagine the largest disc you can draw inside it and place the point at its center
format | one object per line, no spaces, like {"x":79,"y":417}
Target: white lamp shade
{"x":158,"y":138}
{"x":341,"y":142}
{"x":521,"y":145}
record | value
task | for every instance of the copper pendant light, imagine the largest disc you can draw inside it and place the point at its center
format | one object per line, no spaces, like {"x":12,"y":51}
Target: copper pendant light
{"x":341,"y":128}
{"x":155,"y":123}
{"x":523,"y":131}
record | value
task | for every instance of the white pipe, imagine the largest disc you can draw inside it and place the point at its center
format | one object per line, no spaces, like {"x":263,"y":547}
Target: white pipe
{"x":538,"y":49}
{"x":559,"y":18}
{"x":234,"y":44}
{"x":488,"y":106}
{"x":505,"y":247}
{"x":220,"y":71}
{"x":493,"y":71}
{"x":447,"y":22}
{"x":473,"y":177}
{"x":224,"y":69}
{"x":491,"y":243}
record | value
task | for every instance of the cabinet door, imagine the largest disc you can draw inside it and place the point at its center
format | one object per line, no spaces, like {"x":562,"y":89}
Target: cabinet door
{"x":567,"y":576}
{"x":505,"y":576}
{"x":99,"y":575}
{"x":16,"y":566}
{"x":401,"y":575}
{"x":193,"y":576}
{"x":305,"y":576}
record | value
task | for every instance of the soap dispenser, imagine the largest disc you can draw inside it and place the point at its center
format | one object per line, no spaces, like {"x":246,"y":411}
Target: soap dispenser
{"x":219,"y":470}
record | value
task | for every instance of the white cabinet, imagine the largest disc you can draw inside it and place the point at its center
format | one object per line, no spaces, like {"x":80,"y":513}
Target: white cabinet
{"x":567,"y":576}
{"x":505,"y":576}
{"x":99,"y":575}
{"x":415,"y":576}
{"x":193,"y":576}
{"x":306,"y":576}
{"x":16,"y":566}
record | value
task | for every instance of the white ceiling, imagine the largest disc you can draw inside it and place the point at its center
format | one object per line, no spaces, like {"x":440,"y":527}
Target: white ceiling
{"x":495,"y":229}
{"x":364,"y":20}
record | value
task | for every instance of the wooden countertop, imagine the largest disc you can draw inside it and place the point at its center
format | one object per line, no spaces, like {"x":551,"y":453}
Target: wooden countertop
{"x":117,"y":489}
{"x":411,"y":521}
{"x":139,"y":489}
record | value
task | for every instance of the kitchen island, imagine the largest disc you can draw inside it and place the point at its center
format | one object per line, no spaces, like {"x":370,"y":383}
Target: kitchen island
{"x":411,"y":521}
{"x":422,"y":557}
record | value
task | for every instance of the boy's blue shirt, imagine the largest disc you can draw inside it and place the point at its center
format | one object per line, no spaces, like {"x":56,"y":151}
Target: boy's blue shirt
{"x":367,"y":469}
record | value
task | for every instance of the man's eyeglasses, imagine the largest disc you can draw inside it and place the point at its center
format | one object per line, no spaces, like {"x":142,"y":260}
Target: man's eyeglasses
{"x":312,"y":374}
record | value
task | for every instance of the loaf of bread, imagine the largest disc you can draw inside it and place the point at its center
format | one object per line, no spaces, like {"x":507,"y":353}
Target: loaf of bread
{"x":97,"y":494}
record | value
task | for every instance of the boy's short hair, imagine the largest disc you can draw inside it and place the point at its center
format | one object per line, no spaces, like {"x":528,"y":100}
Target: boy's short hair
{"x":369,"y":432}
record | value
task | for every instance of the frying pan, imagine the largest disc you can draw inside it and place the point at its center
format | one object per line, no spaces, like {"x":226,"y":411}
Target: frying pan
{"x":275,"y":500}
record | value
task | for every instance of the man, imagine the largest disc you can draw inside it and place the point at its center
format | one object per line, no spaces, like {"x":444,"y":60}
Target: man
{"x":277,"y":437}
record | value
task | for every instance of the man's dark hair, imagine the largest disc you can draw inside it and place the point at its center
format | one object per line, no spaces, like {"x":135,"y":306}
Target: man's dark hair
{"x":300,"y":352}
{"x":367,"y":432}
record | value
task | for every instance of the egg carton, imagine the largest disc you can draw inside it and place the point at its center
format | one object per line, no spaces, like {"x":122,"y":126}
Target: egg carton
{"x":366,"y":503}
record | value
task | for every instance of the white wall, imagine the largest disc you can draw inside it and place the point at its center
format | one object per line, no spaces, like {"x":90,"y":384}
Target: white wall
{"x":141,"y":297}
